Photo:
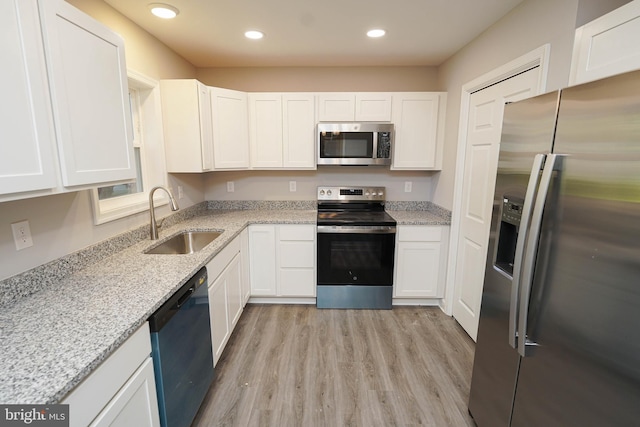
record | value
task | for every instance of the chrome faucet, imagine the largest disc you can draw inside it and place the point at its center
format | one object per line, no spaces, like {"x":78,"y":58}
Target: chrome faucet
{"x":152,"y":215}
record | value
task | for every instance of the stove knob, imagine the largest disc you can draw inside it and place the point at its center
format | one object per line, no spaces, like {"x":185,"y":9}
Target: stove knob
{"x":322,"y":192}
{"x":328,"y":192}
{"x":380,"y":194}
{"x":366,"y":193}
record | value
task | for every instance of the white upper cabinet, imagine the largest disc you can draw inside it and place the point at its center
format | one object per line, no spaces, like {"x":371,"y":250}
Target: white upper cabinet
{"x":282,"y":130}
{"x":265,"y":130}
{"x":65,"y":123}
{"x":27,"y":138}
{"x":188,"y":134}
{"x":298,"y":130}
{"x":90,"y":95}
{"x":418,"y":119}
{"x":607,"y":46}
{"x":359,"y":106}
{"x":230,"y":128}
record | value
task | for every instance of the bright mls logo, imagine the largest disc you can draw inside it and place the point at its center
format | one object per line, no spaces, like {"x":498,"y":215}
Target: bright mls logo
{"x":34,"y":415}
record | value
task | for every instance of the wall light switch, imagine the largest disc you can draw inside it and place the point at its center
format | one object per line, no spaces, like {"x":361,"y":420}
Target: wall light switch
{"x":292,"y":186}
{"x":22,"y":235}
{"x":407,"y":186}
{"x":230,"y":187}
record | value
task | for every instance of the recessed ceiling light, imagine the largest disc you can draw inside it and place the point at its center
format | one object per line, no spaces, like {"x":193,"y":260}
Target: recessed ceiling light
{"x":163,"y":11}
{"x":255,"y":35}
{"x":376,"y":33}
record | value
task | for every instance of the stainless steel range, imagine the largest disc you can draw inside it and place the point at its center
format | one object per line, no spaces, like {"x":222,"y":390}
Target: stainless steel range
{"x":356,"y":245}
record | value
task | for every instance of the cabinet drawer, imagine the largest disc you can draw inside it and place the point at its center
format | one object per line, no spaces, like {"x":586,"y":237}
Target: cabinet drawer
{"x":297,"y":232}
{"x":419,"y":233}
{"x":222,"y":259}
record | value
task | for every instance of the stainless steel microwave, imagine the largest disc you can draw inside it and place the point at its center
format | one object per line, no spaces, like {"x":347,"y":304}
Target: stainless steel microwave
{"x":349,"y":143}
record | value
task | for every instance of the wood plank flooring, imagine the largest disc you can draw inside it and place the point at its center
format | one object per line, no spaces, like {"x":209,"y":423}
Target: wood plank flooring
{"x":293,"y":365}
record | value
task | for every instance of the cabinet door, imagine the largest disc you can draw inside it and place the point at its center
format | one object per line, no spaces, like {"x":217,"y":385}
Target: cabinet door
{"x":298,"y":125}
{"x":206,"y":127}
{"x":234,"y":291}
{"x":262,"y":260}
{"x":186,"y":117}
{"x":26,"y":130}
{"x":219,"y":314}
{"x":336,"y":107}
{"x":244,"y":263}
{"x":135,"y":404}
{"x":417,"y":270}
{"x":607,"y":46}
{"x":265,"y":130}
{"x":419,"y":130}
{"x":373,"y":107}
{"x":230,"y":129}
{"x":89,"y":90}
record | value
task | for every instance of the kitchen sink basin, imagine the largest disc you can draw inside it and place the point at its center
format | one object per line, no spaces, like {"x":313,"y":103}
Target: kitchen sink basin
{"x":186,"y":242}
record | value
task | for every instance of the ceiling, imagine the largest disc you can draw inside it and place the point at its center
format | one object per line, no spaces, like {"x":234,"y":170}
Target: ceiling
{"x":210,"y":33}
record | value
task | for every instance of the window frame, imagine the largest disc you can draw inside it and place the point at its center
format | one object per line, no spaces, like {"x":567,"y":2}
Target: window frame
{"x":152,"y":156}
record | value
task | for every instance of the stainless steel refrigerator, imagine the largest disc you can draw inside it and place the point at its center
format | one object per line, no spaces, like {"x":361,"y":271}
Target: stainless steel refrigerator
{"x":559,"y":334}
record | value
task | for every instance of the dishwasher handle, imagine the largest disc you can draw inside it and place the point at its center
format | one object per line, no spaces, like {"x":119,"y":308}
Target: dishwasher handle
{"x":185,"y":297}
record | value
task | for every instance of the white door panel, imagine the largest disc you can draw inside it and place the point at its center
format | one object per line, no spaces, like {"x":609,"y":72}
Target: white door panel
{"x":480,"y":167}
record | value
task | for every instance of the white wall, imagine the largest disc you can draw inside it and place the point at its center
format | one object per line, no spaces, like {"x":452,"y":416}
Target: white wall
{"x":274,"y":185}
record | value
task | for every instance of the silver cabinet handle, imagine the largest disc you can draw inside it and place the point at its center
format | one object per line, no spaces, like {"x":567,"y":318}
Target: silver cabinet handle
{"x":528,"y":262}
{"x":532,"y":186}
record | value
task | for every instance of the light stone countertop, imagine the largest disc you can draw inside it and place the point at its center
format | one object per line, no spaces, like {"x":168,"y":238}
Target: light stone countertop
{"x":54,"y":338}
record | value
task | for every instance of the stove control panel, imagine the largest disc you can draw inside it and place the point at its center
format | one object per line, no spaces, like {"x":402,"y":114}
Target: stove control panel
{"x":351,"y":193}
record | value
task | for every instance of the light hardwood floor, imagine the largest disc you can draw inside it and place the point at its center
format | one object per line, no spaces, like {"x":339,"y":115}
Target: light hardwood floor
{"x":293,"y":365}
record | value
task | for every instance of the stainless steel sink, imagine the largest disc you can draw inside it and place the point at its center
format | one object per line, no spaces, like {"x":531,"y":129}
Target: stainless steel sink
{"x":186,"y":242}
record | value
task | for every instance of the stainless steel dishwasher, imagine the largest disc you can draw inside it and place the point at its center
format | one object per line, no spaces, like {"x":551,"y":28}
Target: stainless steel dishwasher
{"x":181,"y":350}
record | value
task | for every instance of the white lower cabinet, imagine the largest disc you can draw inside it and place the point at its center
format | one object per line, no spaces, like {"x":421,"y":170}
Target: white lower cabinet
{"x":225,"y":295}
{"x":282,"y":260}
{"x":121,"y":392}
{"x":244,"y":266}
{"x":420,"y":265}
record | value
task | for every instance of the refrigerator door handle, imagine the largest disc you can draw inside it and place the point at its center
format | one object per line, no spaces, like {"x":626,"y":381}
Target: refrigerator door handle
{"x":532,"y":186}
{"x":531,"y":251}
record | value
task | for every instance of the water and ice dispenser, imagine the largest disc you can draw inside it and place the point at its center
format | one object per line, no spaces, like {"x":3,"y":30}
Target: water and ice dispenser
{"x":508,"y":233}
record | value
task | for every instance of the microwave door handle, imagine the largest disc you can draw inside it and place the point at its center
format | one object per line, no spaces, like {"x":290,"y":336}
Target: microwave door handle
{"x":531,"y":252}
{"x":534,"y":179}
{"x":374,"y":148}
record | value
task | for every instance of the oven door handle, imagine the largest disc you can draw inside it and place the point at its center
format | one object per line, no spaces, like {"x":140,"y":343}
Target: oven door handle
{"x":361,"y":229}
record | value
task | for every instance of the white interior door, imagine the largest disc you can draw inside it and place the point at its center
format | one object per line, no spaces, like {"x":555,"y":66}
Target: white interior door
{"x":484,"y":128}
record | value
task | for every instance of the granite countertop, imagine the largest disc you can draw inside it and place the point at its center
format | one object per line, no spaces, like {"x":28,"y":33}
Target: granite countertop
{"x":55,"y":337}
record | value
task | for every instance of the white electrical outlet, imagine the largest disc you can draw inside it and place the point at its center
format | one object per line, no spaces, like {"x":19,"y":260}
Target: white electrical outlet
{"x":407,"y":186}
{"x":230,"y":187}
{"x":22,"y":234}
{"x":292,"y":186}
{"x":180,"y":192}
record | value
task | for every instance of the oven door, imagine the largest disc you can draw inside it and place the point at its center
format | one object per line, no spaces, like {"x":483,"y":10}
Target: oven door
{"x":355,"y":255}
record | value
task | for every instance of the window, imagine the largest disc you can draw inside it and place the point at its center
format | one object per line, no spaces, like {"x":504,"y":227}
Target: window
{"x":124,"y":199}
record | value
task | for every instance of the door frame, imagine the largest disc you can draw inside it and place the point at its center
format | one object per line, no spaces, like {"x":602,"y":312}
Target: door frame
{"x":537,"y":57}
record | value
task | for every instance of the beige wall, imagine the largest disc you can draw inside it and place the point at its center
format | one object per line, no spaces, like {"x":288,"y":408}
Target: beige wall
{"x":144,"y":53}
{"x":322,"y":79}
{"x":530,"y":25}
{"x":63,"y":224}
